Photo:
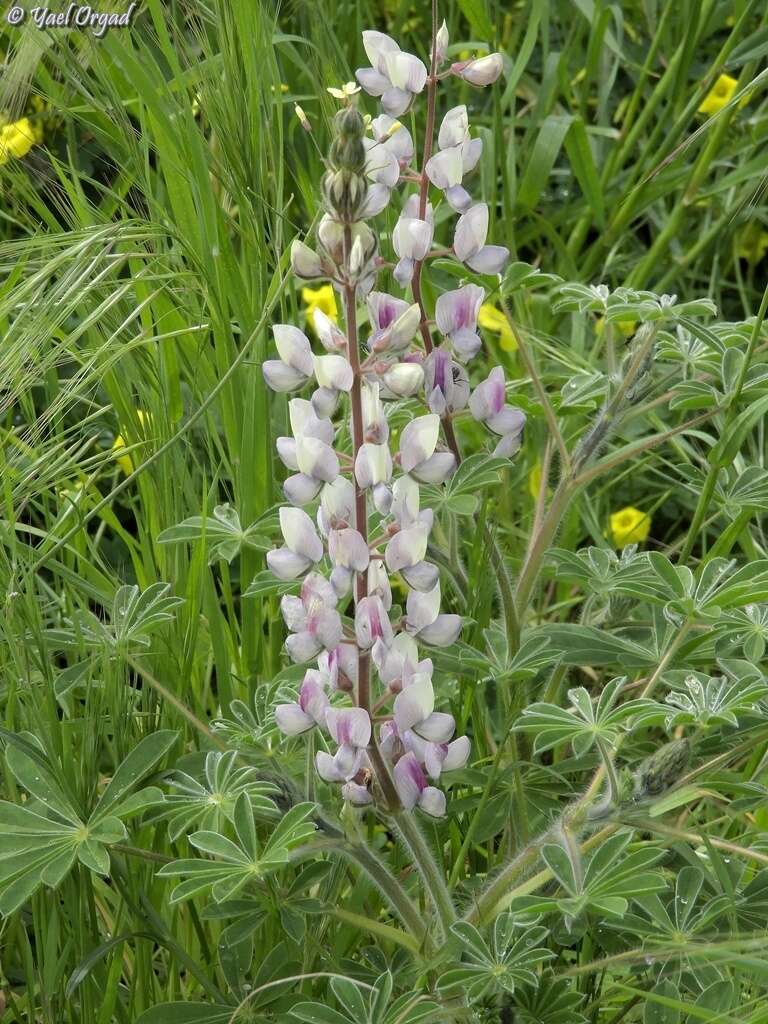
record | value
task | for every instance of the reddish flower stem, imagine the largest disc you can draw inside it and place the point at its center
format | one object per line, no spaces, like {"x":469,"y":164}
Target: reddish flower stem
{"x":361,"y":524}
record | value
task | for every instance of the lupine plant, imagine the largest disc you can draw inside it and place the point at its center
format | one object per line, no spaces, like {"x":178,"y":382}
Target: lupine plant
{"x":448,"y":702}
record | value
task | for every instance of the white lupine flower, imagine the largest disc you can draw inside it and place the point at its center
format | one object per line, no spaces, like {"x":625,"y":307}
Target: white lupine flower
{"x":469,"y":242}
{"x":457,"y":155}
{"x":394,"y":76}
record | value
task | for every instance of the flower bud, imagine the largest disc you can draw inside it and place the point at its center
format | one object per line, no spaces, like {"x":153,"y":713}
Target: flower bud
{"x":441,"y":43}
{"x":662,"y":769}
{"x":483,"y":71}
{"x":305,"y":263}
{"x":404,"y":379}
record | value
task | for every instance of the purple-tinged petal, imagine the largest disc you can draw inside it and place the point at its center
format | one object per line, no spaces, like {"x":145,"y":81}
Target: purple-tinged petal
{"x":341,"y":580}
{"x":356,"y":794}
{"x":325,"y":401}
{"x":432,"y":802}
{"x":458,"y":198}
{"x":484,"y":70}
{"x":508,"y":446}
{"x":382,"y":498}
{"x":331,"y":338}
{"x":294,"y":613}
{"x":300,"y":489}
{"x":453,"y":128}
{"x":372,"y":623}
{"x":378,"y":583}
{"x":396,"y":101}
{"x":471,"y":232}
{"x":471,"y":151}
{"x":286,"y":450}
{"x":422,"y":576}
{"x":458,"y":309}
{"x":489,"y":396}
{"x":508,"y":420}
{"x":437,"y":727}
{"x":490,"y":259}
{"x":457,"y":754}
{"x":436,"y":469}
{"x":375,"y":84}
{"x":287,"y":565}
{"x":337,"y":504}
{"x":414,"y":703}
{"x":409,"y":781}
{"x":412,"y":238}
{"x":443,"y":632}
{"x":418,"y":441}
{"x":402,"y":273}
{"x":282,"y":378}
{"x":466,"y":344}
{"x":292,"y":721}
{"x":326,"y":626}
{"x":350,"y":726}
{"x":313,"y":699}
{"x":348,"y":549}
{"x":294,"y":348}
{"x":422,"y":608}
{"x":317,"y":593}
{"x":406,"y":548}
{"x":327,"y":768}
{"x":302,"y":647}
{"x":392,"y":660}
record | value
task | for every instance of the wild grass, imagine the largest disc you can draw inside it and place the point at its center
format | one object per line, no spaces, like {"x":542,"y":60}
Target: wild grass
{"x":143,"y":256}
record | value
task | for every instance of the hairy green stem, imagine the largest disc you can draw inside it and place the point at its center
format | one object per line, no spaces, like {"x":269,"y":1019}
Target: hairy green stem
{"x":424,"y":860}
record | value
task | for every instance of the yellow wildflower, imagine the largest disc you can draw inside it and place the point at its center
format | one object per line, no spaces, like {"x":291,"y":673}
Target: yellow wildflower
{"x":752,"y":242}
{"x":720,"y":94}
{"x":17,"y":138}
{"x":345,"y":93}
{"x":494,"y":320}
{"x":625,"y":327}
{"x":322,"y":298}
{"x":125,"y":462}
{"x":629,"y":526}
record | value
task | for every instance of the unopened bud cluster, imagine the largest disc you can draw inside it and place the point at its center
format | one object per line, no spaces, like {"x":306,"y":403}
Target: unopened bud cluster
{"x":344,"y":185}
{"x":342,"y":617}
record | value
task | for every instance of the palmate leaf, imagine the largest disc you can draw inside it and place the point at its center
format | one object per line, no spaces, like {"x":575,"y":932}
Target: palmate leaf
{"x":136,"y":614}
{"x":607,"y":573}
{"x":210,"y":801}
{"x":604,"y":885}
{"x":41,"y":841}
{"x":707,"y":700}
{"x":241,"y":860}
{"x":223,"y":533}
{"x":511,"y":958}
{"x":585,"y":721}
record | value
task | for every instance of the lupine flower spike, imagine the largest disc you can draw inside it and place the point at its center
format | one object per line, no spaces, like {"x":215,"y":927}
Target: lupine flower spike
{"x":341,"y":616}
